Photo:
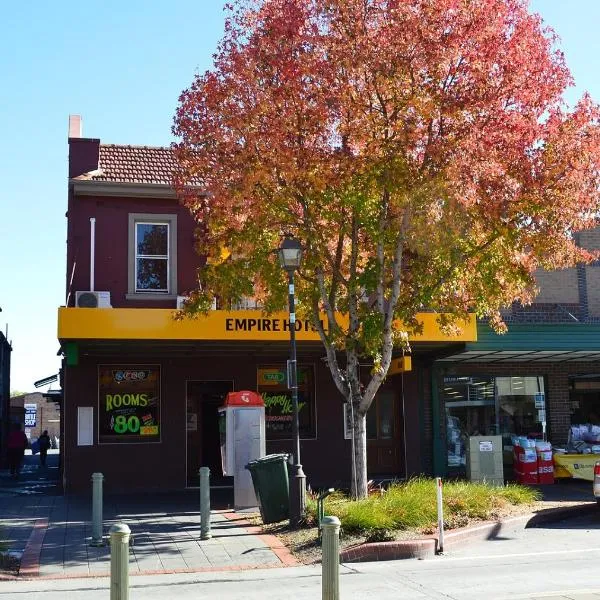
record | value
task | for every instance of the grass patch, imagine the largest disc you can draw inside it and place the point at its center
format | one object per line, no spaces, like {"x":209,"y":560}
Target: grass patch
{"x":412,"y":505}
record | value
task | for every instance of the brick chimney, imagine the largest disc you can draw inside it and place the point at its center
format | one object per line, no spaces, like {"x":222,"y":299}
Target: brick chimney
{"x":84,"y":153}
{"x":75,"y":124}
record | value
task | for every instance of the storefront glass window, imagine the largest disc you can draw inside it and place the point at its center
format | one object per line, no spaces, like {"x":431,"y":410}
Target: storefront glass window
{"x":380,"y":417}
{"x":128,"y":403}
{"x":517,"y":405}
{"x":272,"y":386}
{"x":584,"y":395}
{"x":480,"y":405}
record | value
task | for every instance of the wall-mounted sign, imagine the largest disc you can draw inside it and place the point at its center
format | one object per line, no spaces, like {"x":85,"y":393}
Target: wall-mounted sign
{"x":402,"y":364}
{"x":128,"y":403}
{"x":347,"y":421}
{"x":458,"y":379}
{"x":158,"y":324}
{"x":192,"y":422}
{"x":279,"y":412}
{"x":30,"y":414}
{"x":486,"y":446}
{"x":271,"y":377}
{"x":540,"y":400}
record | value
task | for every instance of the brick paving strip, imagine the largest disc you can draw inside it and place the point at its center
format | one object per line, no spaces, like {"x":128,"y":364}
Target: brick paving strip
{"x":272,"y":541}
{"x":30,"y":561}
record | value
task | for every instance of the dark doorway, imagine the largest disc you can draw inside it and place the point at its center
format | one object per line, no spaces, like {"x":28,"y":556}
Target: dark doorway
{"x":203,"y":442}
{"x":385,"y":435}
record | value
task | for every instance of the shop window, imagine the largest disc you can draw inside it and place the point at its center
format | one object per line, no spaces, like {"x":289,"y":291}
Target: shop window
{"x":152,"y":268}
{"x":128,"y":403}
{"x":521,"y":401}
{"x":272,"y":386}
{"x":480,"y":405}
{"x":584,"y":395}
{"x":380,"y":417}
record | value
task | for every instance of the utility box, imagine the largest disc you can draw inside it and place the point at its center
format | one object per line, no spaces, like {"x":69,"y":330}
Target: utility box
{"x":484,"y":459}
{"x":242,"y":434}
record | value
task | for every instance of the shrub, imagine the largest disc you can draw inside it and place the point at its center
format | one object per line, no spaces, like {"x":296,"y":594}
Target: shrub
{"x":412,"y":505}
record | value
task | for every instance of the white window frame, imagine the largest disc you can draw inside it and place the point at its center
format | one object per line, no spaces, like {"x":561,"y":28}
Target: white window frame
{"x":152,"y":219}
{"x":164,"y":257}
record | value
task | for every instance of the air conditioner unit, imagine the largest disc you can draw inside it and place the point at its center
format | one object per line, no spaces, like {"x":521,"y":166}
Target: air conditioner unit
{"x":92,"y":300}
{"x":246,"y":303}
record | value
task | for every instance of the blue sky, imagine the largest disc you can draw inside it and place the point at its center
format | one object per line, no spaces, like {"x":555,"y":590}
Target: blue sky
{"x":121,"y":65}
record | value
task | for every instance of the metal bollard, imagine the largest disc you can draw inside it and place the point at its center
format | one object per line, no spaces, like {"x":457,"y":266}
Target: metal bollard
{"x":97,"y":479}
{"x":330,"y":576}
{"x":321,"y":506}
{"x":205,"y":503}
{"x":440,"y":512}
{"x":119,"y":561}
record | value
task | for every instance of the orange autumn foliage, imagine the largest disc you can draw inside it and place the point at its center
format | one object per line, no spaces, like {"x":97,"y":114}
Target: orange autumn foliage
{"x":421,"y":150}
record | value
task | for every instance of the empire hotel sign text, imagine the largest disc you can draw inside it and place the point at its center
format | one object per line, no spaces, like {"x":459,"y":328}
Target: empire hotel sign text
{"x":266,"y":324}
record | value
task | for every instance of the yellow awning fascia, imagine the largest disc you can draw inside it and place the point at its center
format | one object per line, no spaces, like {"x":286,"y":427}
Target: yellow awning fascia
{"x":241,"y":325}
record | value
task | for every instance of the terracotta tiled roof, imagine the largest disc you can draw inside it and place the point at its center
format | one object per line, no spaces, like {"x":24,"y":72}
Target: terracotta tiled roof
{"x":135,"y":164}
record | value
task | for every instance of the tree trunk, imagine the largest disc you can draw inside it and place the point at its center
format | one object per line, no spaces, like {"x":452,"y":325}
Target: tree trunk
{"x":359,"y":457}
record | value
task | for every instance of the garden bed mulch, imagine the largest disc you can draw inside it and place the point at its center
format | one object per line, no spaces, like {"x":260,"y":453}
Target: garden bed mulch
{"x":304,"y":544}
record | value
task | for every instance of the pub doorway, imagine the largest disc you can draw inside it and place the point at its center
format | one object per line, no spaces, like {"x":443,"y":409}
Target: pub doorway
{"x":385,"y":436}
{"x":203,"y":399}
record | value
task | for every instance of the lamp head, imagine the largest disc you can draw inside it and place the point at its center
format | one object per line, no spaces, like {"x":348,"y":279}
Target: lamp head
{"x":290,"y":253}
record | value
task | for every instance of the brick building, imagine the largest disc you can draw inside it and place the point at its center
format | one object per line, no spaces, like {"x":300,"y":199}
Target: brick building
{"x":141,"y":390}
{"x":5,"y":352}
{"x":36,"y":413}
{"x":548,"y":361}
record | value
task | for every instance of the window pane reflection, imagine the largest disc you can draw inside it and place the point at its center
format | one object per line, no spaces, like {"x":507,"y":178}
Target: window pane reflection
{"x":380,"y":417}
{"x":152,"y":239}
{"x":152,"y":274}
{"x":386,"y":416}
{"x":477,"y":405}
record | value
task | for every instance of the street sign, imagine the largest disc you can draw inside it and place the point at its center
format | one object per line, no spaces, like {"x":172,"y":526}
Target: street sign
{"x":30,"y":414}
{"x":540,"y":400}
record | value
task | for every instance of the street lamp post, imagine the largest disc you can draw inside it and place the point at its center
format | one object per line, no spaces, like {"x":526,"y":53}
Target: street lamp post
{"x":290,"y":255}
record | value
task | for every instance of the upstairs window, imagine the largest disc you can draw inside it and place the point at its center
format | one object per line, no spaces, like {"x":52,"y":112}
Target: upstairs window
{"x":152,"y":256}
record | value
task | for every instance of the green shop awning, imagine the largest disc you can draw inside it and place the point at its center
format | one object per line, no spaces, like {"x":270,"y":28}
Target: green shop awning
{"x":556,"y":342}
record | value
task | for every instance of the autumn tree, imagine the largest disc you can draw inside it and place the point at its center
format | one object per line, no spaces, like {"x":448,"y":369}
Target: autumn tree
{"x":421,"y":150}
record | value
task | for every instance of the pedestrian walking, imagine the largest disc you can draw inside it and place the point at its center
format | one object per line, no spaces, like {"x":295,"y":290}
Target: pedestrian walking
{"x":44,"y":444}
{"x":16,"y":444}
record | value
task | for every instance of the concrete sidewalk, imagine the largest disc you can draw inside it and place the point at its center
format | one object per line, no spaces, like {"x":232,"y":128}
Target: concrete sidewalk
{"x":52,"y":533}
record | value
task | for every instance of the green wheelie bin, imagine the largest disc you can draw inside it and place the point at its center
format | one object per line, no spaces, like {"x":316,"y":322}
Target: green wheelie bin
{"x":271,"y":486}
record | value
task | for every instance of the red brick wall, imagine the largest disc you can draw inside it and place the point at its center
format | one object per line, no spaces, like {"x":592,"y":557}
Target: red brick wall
{"x":48,"y":414}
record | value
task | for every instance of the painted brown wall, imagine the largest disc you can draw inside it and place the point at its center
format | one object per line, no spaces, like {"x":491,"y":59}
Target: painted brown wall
{"x":412,"y":421}
{"x":84,"y":154}
{"x":326,"y":460}
{"x":111,"y":248}
{"x":127,"y":466}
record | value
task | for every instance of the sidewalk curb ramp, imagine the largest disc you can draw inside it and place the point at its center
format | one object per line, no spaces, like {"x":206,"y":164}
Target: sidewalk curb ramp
{"x":428,"y":547}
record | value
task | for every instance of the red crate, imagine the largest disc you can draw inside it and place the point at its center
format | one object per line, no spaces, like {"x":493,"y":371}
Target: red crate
{"x":526,"y":469}
{"x":545,"y":467}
